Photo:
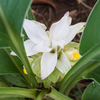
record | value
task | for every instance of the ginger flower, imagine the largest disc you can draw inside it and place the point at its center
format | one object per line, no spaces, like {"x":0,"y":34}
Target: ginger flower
{"x":72,"y":54}
{"x":52,"y":44}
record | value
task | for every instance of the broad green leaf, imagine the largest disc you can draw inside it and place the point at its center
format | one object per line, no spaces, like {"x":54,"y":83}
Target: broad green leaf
{"x":15,"y":79}
{"x":15,"y":11}
{"x":91,"y":72}
{"x":8,"y":63}
{"x":4,"y":81}
{"x":12,"y":14}
{"x":11,"y":65}
{"x":92,"y":92}
{"x":91,"y":34}
{"x":94,"y":74}
{"x":4,"y":41}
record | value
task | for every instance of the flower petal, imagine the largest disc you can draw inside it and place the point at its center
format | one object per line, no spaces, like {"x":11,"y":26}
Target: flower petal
{"x":60,"y":29}
{"x":60,"y":43}
{"x":34,"y":32}
{"x":63,"y":64}
{"x":29,"y":45}
{"x":72,"y":31}
{"x":41,"y":24}
{"x":52,"y":29}
{"x":69,"y":20}
{"x":48,"y":63}
{"x":42,"y":47}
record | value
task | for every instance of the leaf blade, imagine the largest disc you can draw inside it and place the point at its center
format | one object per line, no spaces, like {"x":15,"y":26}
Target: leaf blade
{"x":91,"y":33}
{"x":92,"y":92}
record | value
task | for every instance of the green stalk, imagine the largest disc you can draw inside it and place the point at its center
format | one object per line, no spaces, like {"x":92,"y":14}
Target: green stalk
{"x":54,"y":94}
{"x":77,"y":69}
{"x":17,"y":92}
{"x":41,"y":95}
{"x":13,"y":37}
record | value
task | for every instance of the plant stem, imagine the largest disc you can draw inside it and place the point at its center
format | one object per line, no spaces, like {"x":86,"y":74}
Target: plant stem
{"x":41,"y":95}
{"x":57,"y":95}
{"x":17,"y":92}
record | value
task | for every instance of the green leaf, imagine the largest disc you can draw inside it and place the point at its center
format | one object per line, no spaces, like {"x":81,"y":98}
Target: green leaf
{"x":15,"y":79}
{"x":91,"y":34}
{"x":41,"y":95}
{"x":30,"y":15}
{"x":3,"y":84}
{"x":94,"y":74}
{"x":91,"y":72}
{"x":15,"y":11}
{"x":54,"y":76}
{"x":12,"y":14}
{"x":54,"y":94}
{"x":71,"y":45}
{"x":17,"y":92}
{"x":8,"y":63}
{"x":11,"y":65}
{"x":12,"y":99}
{"x":80,"y":69}
{"x":36,"y":67}
{"x":92,"y":92}
{"x":47,"y":83}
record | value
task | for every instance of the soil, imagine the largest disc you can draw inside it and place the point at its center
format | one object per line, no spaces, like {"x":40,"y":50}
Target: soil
{"x":50,"y":11}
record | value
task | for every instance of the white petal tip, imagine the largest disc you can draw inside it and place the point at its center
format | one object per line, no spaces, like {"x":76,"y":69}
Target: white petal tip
{"x":83,"y":23}
{"x":80,"y":25}
{"x":12,"y":53}
{"x":67,"y":13}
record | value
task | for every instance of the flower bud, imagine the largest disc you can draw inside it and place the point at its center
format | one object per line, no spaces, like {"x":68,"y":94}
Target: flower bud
{"x":72,"y":54}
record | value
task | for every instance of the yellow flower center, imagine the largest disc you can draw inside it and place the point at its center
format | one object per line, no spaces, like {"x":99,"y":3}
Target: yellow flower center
{"x":72,"y":54}
{"x":76,"y":55}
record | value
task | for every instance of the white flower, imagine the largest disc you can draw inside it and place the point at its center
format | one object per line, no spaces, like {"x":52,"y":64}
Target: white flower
{"x":60,"y":34}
